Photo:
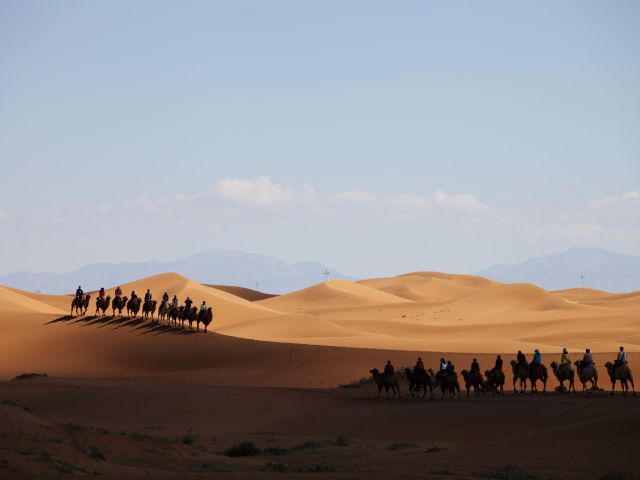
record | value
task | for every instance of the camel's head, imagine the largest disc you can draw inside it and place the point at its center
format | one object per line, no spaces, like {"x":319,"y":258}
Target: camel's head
{"x":374,"y":371}
{"x":609,"y":366}
{"x":487,"y":373}
{"x":407,"y":371}
{"x":513,"y":363}
{"x":464,"y":373}
{"x":430,"y":372}
{"x":554,"y":365}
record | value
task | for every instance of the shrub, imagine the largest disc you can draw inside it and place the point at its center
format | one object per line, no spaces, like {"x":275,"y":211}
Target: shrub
{"x":26,"y":376}
{"x":244,"y":449}
{"x":507,"y":472}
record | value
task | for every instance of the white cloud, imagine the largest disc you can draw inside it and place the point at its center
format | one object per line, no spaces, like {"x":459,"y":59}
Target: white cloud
{"x":464,"y":202}
{"x":410,"y":202}
{"x":256,"y":192}
{"x":353,"y":197}
{"x":629,"y":196}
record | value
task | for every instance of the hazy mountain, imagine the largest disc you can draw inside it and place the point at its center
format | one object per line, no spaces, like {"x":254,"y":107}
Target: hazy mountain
{"x":210,"y":266}
{"x":602,"y":270}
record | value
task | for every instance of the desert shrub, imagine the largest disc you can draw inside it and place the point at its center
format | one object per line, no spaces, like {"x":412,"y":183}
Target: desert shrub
{"x":188,"y":439}
{"x":95,"y":453}
{"x":341,"y":441}
{"x":26,"y":376}
{"x":244,"y":449}
{"x":399,"y":446}
{"x":307,"y":445}
{"x":357,"y":383}
{"x":434,"y":449}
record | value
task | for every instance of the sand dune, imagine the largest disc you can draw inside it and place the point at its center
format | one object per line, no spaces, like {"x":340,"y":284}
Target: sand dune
{"x":14,"y":301}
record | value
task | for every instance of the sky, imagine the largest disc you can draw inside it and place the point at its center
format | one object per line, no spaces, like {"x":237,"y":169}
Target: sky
{"x":377,"y":137}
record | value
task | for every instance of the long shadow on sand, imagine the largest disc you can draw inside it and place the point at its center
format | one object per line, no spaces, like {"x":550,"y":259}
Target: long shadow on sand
{"x":136,"y":324}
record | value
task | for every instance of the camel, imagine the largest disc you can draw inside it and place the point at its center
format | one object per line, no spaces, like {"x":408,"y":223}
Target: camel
{"x":190,"y":316}
{"x":587,"y":373}
{"x":495,"y":380}
{"x":173,"y":315}
{"x":133,"y":307}
{"x":205,"y":317}
{"x":80,"y":306}
{"x":421,"y":379}
{"x":564,"y":372}
{"x":448,"y":385}
{"x":521,"y":372}
{"x":538,"y":372}
{"x":149,"y":308}
{"x":472,"y":379}
{"x":103,"y":304}
{"x":163,"y":311}
{"x":386,"y":381}
{"x":118,"y":304}
{"x":622,"y":373}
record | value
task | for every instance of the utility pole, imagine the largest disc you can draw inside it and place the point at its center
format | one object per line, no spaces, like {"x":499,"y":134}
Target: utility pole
{"x":326,"y":274}
{"x":582,"y":282}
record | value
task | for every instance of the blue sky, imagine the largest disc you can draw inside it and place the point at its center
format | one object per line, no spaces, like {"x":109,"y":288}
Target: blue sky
{"x":373,"y":136}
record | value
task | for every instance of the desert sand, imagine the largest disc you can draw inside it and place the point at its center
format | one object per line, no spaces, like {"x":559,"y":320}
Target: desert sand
{"x":156,"y":400}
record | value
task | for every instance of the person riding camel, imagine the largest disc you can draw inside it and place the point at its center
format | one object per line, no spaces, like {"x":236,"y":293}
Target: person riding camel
{"x":537,"y":358}
{"x":79,"y":294}
{"x":388,"y":369}
{"x":521,"y":359}
{"x":148,"y":296}
{"x":622,"y":358}
{"x":419,"y":368}
{"x":134,"y":295}
{"x":187,"y":304}
{"x":443,"y":367}
{"x":175,"y":302}
{"x":203,"y":307}
{"x":451,"y":369}
{"x":118,"y":292}
{"x":497,"y":366}
{"x":565,"y":359}
{"x":165,"y":297}
{"x":587,"y":358}
{"x":475,"y":366}
{"x":101,"y":293}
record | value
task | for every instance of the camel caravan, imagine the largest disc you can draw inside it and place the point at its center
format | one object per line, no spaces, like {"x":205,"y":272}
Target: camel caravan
{"x":422,"y":381}
{"x":170,"y":312}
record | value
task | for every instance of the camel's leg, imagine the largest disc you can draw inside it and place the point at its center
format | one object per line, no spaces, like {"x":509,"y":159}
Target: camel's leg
{"x":514,"y":386}
{"x":633,"y":387}
{"x":613,"y":386}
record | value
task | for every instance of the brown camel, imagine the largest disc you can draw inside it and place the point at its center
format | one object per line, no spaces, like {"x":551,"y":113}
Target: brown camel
{"x":472,"y":379}
{"x":419,"y":379}
{"x":118,"y":304}
{"x":448,"y":385}
{"x":149,"y":308}
{"x":205,"y":317}
{"x":587,"y":373}
{"x":190,"y":316}
{"x":495,"y":380}
{"x":163,"y":311}
{"x":103,"y":304}
{"x":386,"y":381}
{"x":520,"y":372}
{"x":538,"y":372}
{"x":173,"y":314}
{"x":133,"y":307}
{"x":81,"y":306}
{"x":564,"y":373}
{"x":622,"y":373}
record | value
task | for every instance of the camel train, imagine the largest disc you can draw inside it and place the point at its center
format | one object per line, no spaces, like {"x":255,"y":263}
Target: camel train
{"x":171,"y":313}
{"x":423,"y":381}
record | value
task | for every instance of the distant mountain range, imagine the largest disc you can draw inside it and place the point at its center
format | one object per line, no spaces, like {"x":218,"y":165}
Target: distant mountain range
{"x":248,"y":270}
{"x":602,"y":269}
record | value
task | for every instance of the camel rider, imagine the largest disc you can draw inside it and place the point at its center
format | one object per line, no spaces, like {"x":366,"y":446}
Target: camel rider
{"x":621,"y":359}
{"x":419,"y":366}
{"x":443,"y":367}
{"x":537,"y":357}
{"x":203,"y":307}
{"x":79,"y":294}
{"x":521,"y":359}
{"x":101,"y":293}
{"x":134,"y":295}
{"x":498,"y":365}
{"x":187,"y":304}
{"x":118,"y":292}
{"x":587,"y":358}
{"x":475,"y":366}
{"x":174,"y":302}
{"x":388,"y":369}
{"x":565,"y":359}
{"x":450,"y":368}
{"x":165,"y":297}
{"x":148,"y":296}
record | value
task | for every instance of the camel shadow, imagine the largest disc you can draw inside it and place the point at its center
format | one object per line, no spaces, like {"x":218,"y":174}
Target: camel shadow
{"x":64,"y":318}
{"x":136,"y":324}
